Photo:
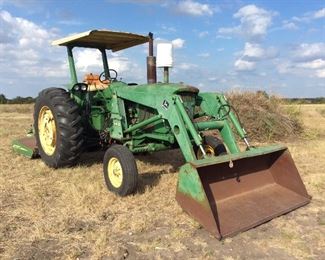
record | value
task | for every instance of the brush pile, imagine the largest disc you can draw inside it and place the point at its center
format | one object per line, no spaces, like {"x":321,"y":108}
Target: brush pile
{"x":266,"y":118}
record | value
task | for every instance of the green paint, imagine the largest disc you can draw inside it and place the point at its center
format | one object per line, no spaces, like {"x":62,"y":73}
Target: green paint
{"x":209,"y":125}
{"x":143,"y":124}
{"x":72,"y":68}
{"x":189,"y":183}
{"x":97,"y":117}
{"x":188,"y":122}
{"x":24,"y":150}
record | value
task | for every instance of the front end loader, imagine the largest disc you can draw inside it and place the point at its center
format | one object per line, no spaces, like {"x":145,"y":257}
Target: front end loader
{"x":225,"y":188}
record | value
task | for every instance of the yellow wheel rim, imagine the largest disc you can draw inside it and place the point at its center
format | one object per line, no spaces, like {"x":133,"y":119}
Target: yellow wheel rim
{"x":115,"y":172}
{"x":208,"y":150}
{"x":47,"y":130}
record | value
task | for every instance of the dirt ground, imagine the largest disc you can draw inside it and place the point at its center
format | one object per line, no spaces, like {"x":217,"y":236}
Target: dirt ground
{"x":69,"y":214}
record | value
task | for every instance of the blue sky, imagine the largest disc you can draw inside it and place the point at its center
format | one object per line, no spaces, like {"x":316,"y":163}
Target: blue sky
{"x":276,"y":46}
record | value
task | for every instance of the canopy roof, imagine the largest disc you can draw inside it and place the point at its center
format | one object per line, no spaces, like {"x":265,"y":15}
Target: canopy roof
{"x":109,"y":40}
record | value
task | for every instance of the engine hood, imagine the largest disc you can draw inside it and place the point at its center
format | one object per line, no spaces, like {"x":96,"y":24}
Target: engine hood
{"x":160,"y":89}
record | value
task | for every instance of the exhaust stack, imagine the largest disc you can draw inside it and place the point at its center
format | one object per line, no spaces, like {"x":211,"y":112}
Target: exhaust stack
{"x":151,"y":63}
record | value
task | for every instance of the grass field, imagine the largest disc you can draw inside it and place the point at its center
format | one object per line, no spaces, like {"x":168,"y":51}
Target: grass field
{"x":69,"y":214}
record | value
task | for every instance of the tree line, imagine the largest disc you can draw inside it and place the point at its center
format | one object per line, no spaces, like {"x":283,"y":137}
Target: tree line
{"x":16,"y":100}
{"x":317,"y":100}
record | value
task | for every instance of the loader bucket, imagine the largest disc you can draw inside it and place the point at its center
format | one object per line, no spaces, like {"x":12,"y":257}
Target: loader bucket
{"x":233,"y":193}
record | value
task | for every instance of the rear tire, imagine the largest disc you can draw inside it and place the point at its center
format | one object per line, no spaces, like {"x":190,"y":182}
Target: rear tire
{"x":212,"y":146}
{"x":120,"y":170}
{"x":58,"y":128}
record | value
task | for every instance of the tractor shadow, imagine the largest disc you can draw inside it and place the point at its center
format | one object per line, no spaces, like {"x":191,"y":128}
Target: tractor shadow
{"x":147,"y":181}
{"x":168,"y":161}
{"x":156,"y":165}
{"x":90,"y":158}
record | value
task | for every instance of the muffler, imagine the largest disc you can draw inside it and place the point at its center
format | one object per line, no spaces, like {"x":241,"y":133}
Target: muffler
{"x":232,"y":193}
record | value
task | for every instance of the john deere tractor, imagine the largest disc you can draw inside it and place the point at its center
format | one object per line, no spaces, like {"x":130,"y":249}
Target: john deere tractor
{"x":226,"y":189}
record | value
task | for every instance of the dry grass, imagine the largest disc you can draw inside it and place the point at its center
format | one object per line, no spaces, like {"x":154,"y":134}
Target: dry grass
{"x":68,"y":214}
{"x":266,"y":118}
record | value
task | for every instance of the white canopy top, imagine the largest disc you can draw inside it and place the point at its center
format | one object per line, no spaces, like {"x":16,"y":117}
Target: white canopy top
{"x":109,"y":40}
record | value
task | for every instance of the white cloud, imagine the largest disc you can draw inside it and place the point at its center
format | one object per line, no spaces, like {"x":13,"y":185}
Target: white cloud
{"x":289,"y":25}
{"x":87,"y":60}
{"x":319,"y":14}
{"x":178,"y":43}
{"x":90,"y":60}
{"x":314,"y":64}
{"x":22,"y":31}
{"x":309,"y":51}
{"x":124,"y":65}
{"x":25,"y":47}
{"x":26,"y":56}
{"x":254,"y":23}
{"x":254,"y":51}
{"x":309,"y":16}
{"x":306,"y":59}
{"x":244,"y":65}
{"x":194,"y":8}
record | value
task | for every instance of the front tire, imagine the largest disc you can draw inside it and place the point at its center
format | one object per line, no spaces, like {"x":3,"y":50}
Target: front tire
{"x":58,"y":128}
{"x":212,"y":146}
{"x":120,"y":170}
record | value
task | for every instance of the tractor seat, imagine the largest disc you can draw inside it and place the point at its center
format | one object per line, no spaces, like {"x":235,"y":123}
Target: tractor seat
{"x":93,"y":82}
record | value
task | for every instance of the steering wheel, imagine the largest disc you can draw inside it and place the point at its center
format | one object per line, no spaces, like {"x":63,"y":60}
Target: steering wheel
{"x":102,"y":76}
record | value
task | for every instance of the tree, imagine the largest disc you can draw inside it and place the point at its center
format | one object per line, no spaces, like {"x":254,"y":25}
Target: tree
{"x":3,"y":99}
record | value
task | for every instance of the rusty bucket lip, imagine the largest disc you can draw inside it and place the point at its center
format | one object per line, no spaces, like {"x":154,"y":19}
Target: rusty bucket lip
{"x":233,"y":157}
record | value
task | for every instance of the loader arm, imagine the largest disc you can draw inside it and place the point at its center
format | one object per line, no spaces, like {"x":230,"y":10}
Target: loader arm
{"x":216,"y":106}
{"x":169,"y":105}
{"x":169,"y":108}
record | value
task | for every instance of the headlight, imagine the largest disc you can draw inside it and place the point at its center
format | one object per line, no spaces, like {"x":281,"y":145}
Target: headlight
{"x":83,"y":87}
{"x":76,"y":87}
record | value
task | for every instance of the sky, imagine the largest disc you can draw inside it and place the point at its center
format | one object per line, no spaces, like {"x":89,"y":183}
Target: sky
{"x":277,"y":46}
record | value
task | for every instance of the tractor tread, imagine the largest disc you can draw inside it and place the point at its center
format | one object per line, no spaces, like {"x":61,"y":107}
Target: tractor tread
{"x":69,"y":128}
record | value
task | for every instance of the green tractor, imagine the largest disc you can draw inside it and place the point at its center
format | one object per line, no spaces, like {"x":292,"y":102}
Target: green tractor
{"x":226,"y":189}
